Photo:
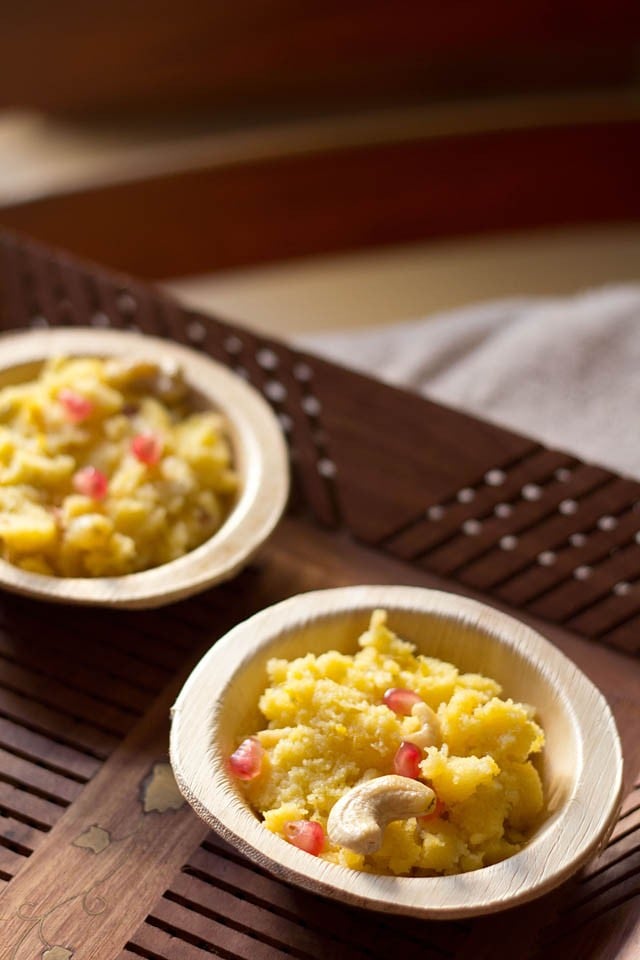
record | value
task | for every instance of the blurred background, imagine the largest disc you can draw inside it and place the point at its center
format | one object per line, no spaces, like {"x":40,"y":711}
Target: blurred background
{"x":303,"y":167}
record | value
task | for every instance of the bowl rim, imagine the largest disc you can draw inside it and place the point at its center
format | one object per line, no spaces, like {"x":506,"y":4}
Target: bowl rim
{"x":542,"y":865}
{"x":256,"y":435}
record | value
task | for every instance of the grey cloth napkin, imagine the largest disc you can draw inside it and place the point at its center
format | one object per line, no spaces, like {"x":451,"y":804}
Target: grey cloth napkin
{"x":564,"y":371}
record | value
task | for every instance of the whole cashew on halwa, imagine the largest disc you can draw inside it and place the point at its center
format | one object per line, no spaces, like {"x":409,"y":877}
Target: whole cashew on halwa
{"x":429,"y":734}
{"x":358,"y":819}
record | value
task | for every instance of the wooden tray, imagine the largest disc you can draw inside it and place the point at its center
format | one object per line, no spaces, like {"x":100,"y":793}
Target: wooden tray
{"x":99,"y":858}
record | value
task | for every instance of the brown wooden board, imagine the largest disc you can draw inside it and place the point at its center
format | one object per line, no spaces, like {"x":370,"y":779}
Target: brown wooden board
{"x":99,"y":857}
{"x":89,"y":59}
{"x":389,"y":187}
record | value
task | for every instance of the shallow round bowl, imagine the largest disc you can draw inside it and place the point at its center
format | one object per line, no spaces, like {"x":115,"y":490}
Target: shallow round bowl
{"x":581,"y":765}
{"x":259,"y":455}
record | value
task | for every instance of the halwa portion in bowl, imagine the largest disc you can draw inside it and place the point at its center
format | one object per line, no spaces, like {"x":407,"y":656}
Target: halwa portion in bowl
{"x":337,"y":721}
{"x":106,"y":469}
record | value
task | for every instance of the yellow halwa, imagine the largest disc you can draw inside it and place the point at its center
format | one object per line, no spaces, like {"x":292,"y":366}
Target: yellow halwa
{"x":329,"y":729}
{"x":105,"y":469}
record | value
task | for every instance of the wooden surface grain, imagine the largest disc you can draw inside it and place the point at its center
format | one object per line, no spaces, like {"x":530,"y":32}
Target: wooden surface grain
{"x":197,"y":903}
{"x":322,"y":199}
{"x":75,"y":685}
{"x":87,"y":60}
{"x":116,"y":849}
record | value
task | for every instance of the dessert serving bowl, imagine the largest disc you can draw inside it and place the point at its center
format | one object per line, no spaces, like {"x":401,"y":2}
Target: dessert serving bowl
{"x":258,"y":453}
{"x":580,"y":766}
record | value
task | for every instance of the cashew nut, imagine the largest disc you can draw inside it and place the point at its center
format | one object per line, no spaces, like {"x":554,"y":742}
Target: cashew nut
{"x":358,"y":819}
{"x":122,"y":372}
{"x":429,"y":734}
{"x":164,"y":379}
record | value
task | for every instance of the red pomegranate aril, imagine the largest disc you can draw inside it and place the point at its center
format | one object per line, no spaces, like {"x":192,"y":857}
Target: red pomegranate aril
{"x":245,"y":763}
{"x":91,"y":482}
{"x":406,"y":762}
{"x":400,"y":701}
{"x":147,"y":448}
{"x":307,"y":835}
{"x":76,"y":406}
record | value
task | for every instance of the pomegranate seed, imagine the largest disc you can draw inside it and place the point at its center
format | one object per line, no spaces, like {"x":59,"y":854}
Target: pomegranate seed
{"x":91,"y":483}
{"x":305,"y":834}
{"x":147,"y":448}
{"x":246,"y":762}
{"x":400,"y":701}
{"x":76,"y":406}
{"x":407,"y":759}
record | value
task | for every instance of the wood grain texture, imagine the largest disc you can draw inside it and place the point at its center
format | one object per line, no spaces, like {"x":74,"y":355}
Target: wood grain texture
{"x":88,"y":59}
{"x":55,"y":739}
{"x":128,"y":830}
{"x":259,"y":456}
{"x":299,"y":557}
{"x":320,"y":200}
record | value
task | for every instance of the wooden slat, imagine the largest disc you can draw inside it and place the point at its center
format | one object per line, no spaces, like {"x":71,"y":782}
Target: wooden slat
{"x":120,"y":309}
{"x":57,"y":663}
{"x":90,"y":641}
{"x":612,"y":505}
{"x":246,"y":927}
{"x":454,"y":450}
{"x":479,"y":561}
{"x":80,"y":305}
{"x":611,"y":934}
{"x":611,"y":610}
{"x":626,"y":637}
{"x":291,"y":397}
{"x":22,"y":836}
{"x":578,"y":924}
{"x":631,"y":802}
{"x":628,"y":825}
{"x":45,"y":783}
{"x":213,"y":936}
{"x":574,"y":595}
{"x":134,"y":677}
{"x":154,"y":626}
{"x":216,"y":863}
{"x":161,"y":944}
{"x":617,"y":856}
{"x":97,"y":641}
{"x":617,"y":873}
{"x":146,"y":845}
{"x":55,"y":756}
{"x":42,"y":272}
{"x":10,"y":861}
{"x":61,"y":726}
{"x":27,"y":807}
{"x":619,"y":861}
{"x":149,"y":649}
{"x":478,"y":503}
{"x":15,"y":300}
{"x":54,"y":693}
{"x":307,"y":436}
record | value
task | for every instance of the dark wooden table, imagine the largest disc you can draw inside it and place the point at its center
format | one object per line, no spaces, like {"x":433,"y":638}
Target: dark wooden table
{"x":99,"y":857}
